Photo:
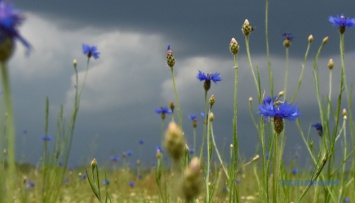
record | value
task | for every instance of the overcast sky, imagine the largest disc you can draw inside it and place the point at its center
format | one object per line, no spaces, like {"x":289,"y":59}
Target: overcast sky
{"x":131,"y":77}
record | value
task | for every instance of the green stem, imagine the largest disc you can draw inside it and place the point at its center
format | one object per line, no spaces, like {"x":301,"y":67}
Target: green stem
{"x":286,"y":73}
{"x":252,"y":69}
{"x":269,"y":67}
{"x":204,"y":127}
{"x":10,"y":133}
{"x":217,"y":152}
{"x":177,"y":98}
{"x":329,"y":94}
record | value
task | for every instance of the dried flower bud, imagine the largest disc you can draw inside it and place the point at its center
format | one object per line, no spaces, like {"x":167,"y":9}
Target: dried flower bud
{"x":247,"y":28}
{"x":281,"y":94}
{"x":212,"y":100}
{"x":330,"y":64}
{"x":211,"y":117}
{"x":194,"y":123}
{"x":250,"y":99}
{"x":75,"y":63}
{"x":6,"y":48}
{"x":325,"y":40}
{"x":310,"y":38}
{"x":234,"y":46}
{"x":93,"y":163}
{"x":192,"y":181}
{"x":175,"y":141}
{"x":278,"y":124}
{"x":344,"y":112}
{"x":172,"y":106}
{"x":170,"y":60}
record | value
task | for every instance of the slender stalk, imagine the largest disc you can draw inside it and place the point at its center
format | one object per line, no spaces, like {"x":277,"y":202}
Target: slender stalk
{"x":10,"y":126}
{"x":204,"y":127}
{"x":235,"y":118}
{"x":302,"y":72}
{"x":269,"y":66}
{"x":177,"y":98}
{"x":329,"y":94}
{"x":217,"y":152}
{"x":342,"y":179}
{"x":252,"y":69}
{"x":194,"y":134}
{"x":209,"y":156}
{"x":286,"y":73}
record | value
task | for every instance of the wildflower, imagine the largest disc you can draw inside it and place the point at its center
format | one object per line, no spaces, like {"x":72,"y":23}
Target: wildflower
{"x":172,"y":107}
{"x":191,"y":151}
{"x":141,"y":142}
{"x":193,"y":117}
{"x":46,"y":138}
{"x":191,"y":184}
{"x":346,"y":199}
{"x":91,"y":51}
{"x":238,"y":181}
{"x":319,"y":128}
{"x":170,"y":60}
{"x":294,"y":171}
{"x":129,"y":153}
{"x":83,"y":177}
{"x":288,"y":37}
{"x":342,"y":22}
{"x":234,"y":46}
{"x":131,"y":184}
{"x":247,"y":28}
{"x":114,"y":158}
{"x":202,"y":114}
{"x":330,"y":64}
{"x":163,"y":111}
{"x":10,"y":19}
{"x":175,"y":141}
{"x":106,"y":182}
{"x":207,"y":78}
{"x":278,"y":110}
{"x":310,"y":38}
{"x":29,"y":183}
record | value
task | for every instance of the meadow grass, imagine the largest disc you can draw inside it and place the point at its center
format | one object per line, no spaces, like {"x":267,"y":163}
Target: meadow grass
{"x":183,"y":175}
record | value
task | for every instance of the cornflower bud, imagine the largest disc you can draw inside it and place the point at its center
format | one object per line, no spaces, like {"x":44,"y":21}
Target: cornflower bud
{"x":175,"y":141}
{"x":170,"y":60}
{"x":330,"y":64}
{"x":310,"y":38}
{"x":247,"y":28}
{"x":234,"y":46}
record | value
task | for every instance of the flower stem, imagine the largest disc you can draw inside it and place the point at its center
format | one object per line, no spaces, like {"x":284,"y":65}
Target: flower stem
{"x":235,"y":116}
{"x":252,"y":69}
{"x":269,"y":66}
{"x":10,"y":132}
{"x":177,"y":98}
{"x":286,"y":73}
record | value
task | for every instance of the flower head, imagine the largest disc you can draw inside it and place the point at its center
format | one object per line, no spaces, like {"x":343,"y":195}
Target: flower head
{"x":46,"y":138}
{"x":91,"y":51}
{"x":288,"y":37}
{"x":294,"y":171}
{"x":10,"y":19}
{"x":170,"y":60}
{"x":272,"y":107}
{"x":106,"y":182}
{"x":342,"y":22}
{"x":278,"y":110}
{"x":131,"y":184}
{"x":163,"y":111}
{"x":141,"y":142}
{"x":346,"y":199}
{"x":319,"y":128}
{"x":207,"y":79}
{"x":114,"y":158}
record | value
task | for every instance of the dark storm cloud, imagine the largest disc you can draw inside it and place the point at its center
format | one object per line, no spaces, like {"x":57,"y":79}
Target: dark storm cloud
{"x":203,"y":28}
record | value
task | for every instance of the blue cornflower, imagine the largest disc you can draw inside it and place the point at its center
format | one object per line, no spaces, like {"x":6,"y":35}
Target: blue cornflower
{"x":131,"y":184}
{"x":294,"y":171}
{"x":271,"y":107}
{"x":191,"y":151}
{"x":288,"y":36}
{"x":10,"y":19}
{"x":129,"y":153}
{"x":141,"y":142}
{"x":83,"y":177}
{"x":319,"y":128}
{"x":163,"y":111}
{"x":91,"y":51}
{"x":30,"y":184}
{"x":46,"y":138}
{"x":207,"y":78}
{"x":114,"y":158}
{"x":346,"y":199}
{"x":192,"y":117}
{"x":202,"y":114}
{"x":106,"y":182}
{"x":158,"y":149}
{"x":342,"y":22}
{"x":278,"y":110}
{"x":238,"y":181}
